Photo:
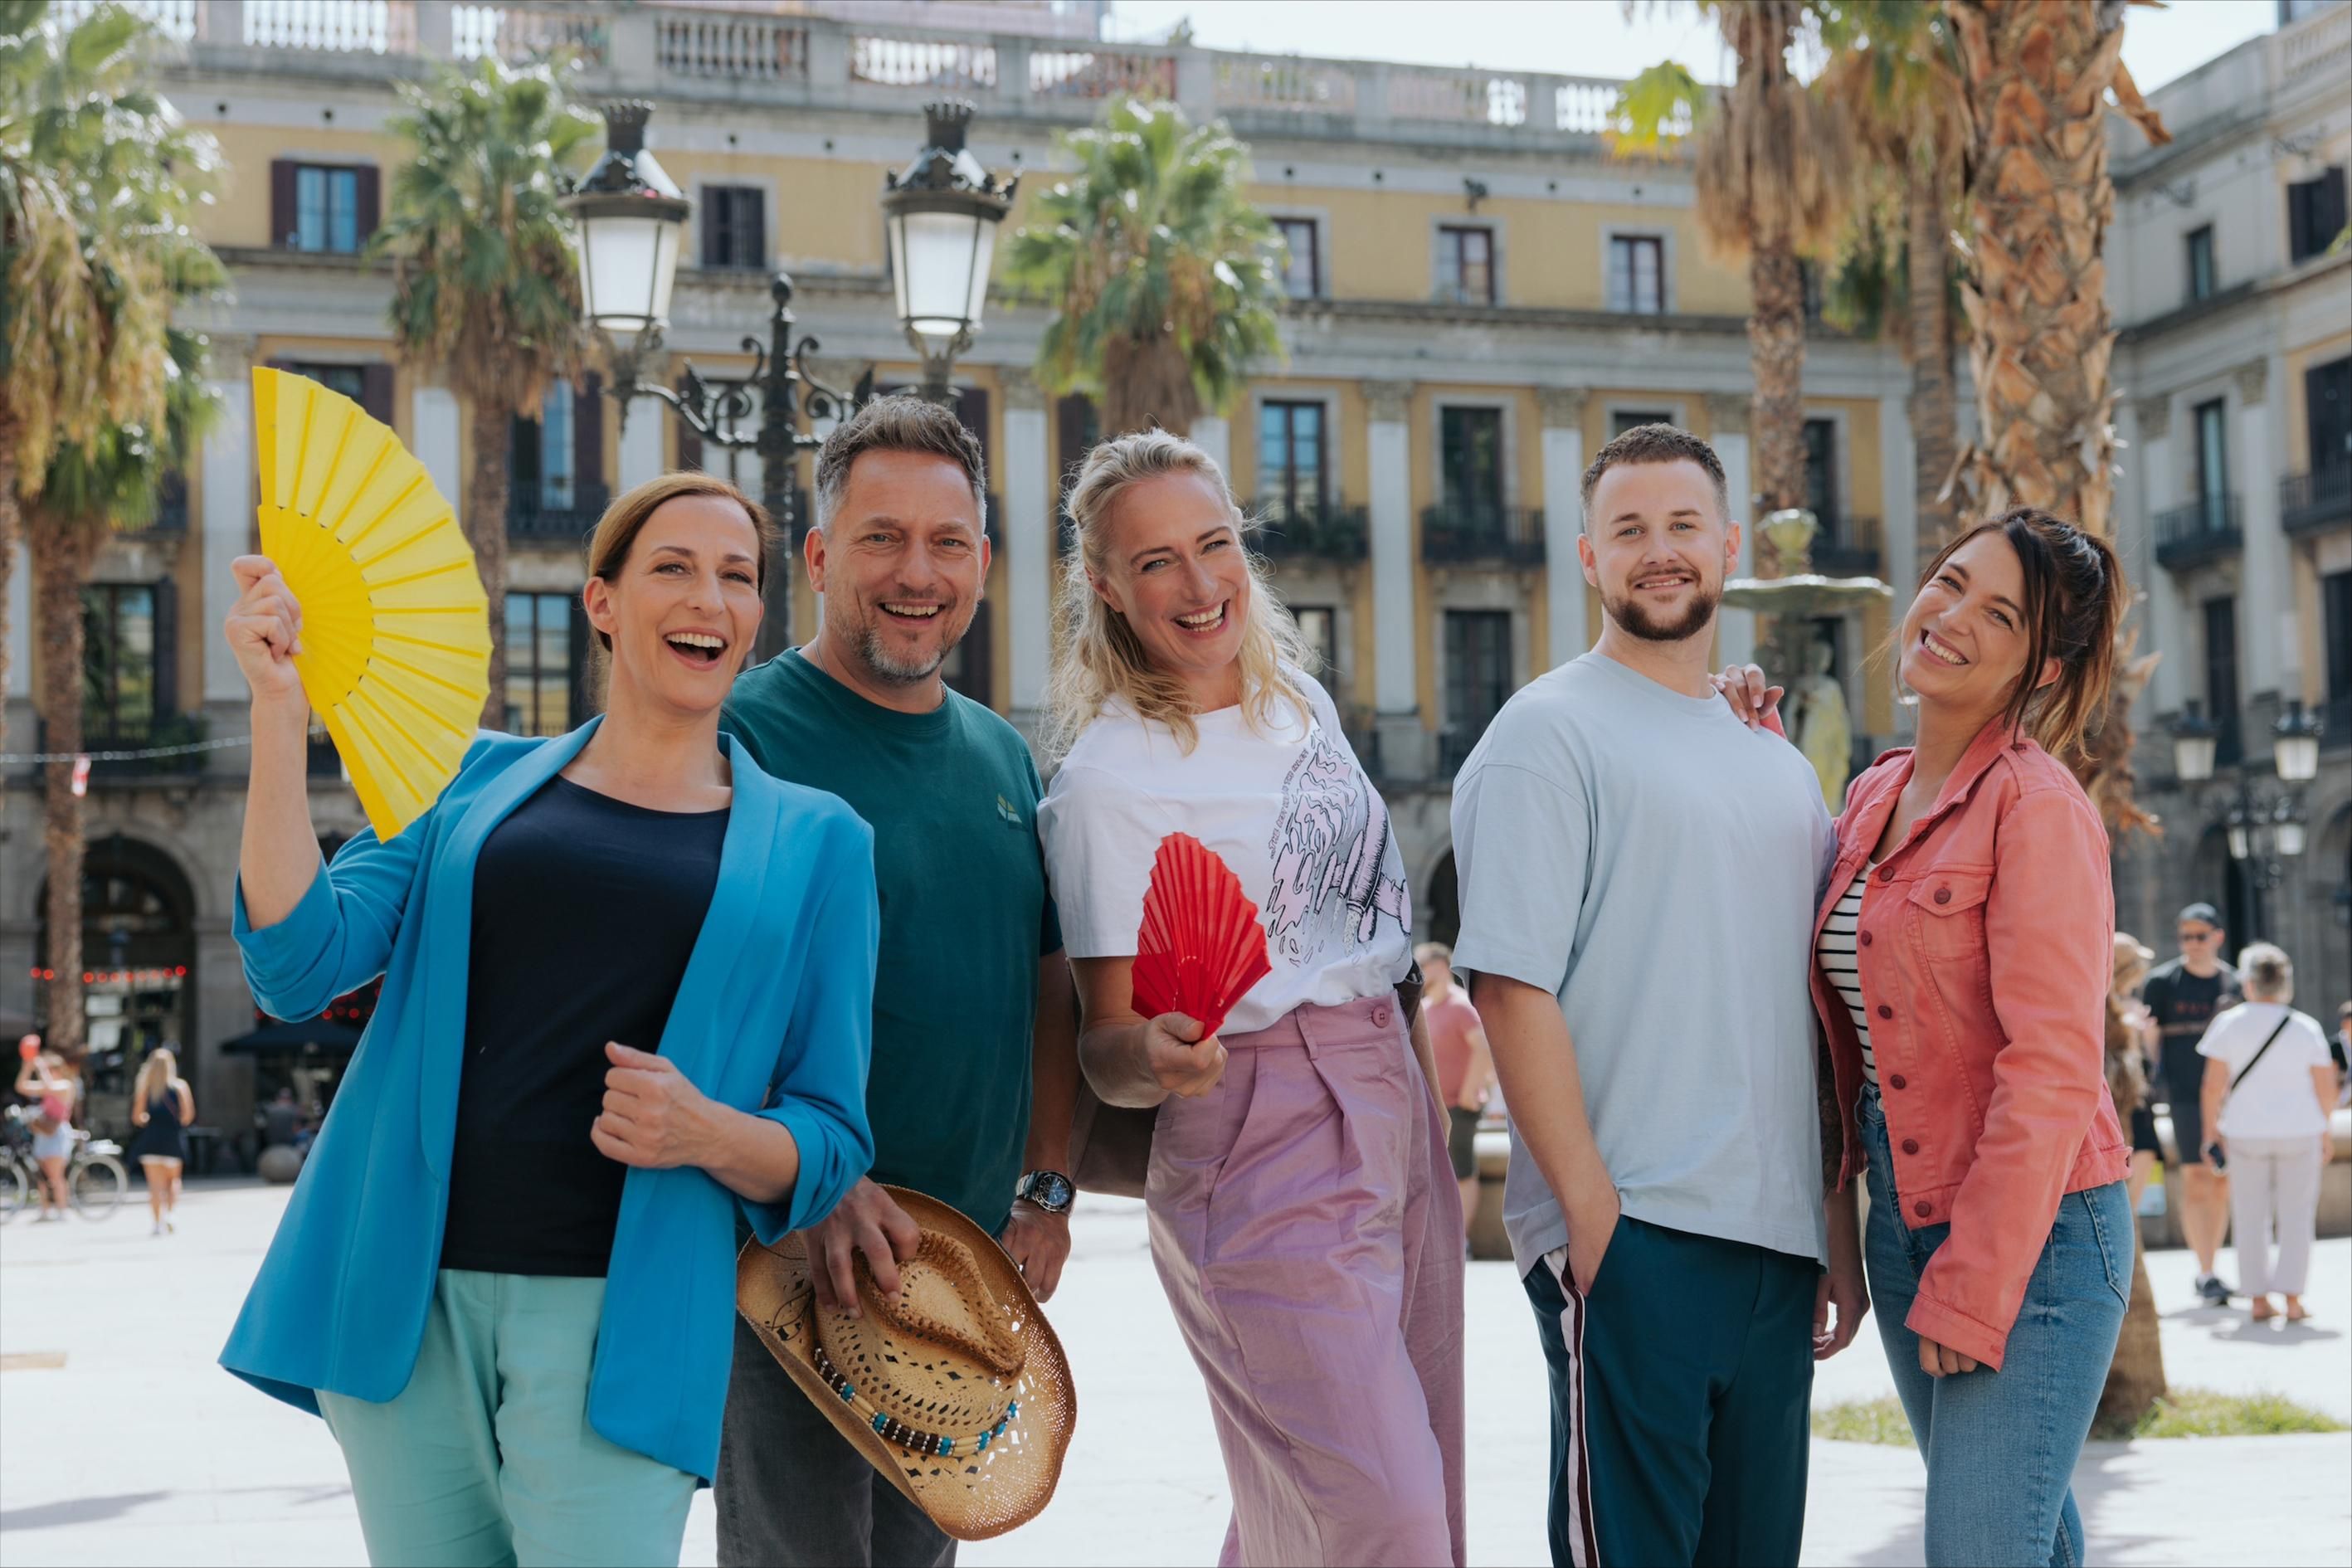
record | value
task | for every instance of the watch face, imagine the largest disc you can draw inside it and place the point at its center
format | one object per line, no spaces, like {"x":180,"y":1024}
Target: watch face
{"x":1050,"y":1191}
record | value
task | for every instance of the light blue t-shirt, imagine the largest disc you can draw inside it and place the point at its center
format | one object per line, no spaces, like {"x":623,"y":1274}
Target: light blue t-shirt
{"x":1658,"y":865}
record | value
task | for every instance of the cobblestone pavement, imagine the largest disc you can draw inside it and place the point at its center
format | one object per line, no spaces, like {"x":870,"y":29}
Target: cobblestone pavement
{"x":122,"y":1442}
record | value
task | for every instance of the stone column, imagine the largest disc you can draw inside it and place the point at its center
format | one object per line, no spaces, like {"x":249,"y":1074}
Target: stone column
{"x":2168,"y":623}
{"x":20,"y":624}
{"x":1214,"y":435}
{"x":1902,"y":550}
{"x":2266,"y":608}
{"x":1727,"y":416}
{"x":1028,"y":542}
{"x":432,"y":426}
{"x":641,"y":442}
{"x":229,"y":518}
{"x":1406,"y":747}
{"x":1563,"y":499}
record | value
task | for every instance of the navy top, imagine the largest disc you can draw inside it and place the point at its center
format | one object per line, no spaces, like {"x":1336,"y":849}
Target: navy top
{"x":585,"y":911}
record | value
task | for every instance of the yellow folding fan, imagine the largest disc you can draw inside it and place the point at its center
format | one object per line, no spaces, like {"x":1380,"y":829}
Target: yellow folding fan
{"x":396,"y":627}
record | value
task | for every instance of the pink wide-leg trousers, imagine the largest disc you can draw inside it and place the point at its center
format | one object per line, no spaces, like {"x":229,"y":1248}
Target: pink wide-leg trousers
{"x":1306,"y":1225}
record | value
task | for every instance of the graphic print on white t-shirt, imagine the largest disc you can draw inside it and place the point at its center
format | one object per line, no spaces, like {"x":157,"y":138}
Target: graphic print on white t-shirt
{"x":1336,"y":869}
{"x":1286,"y":806}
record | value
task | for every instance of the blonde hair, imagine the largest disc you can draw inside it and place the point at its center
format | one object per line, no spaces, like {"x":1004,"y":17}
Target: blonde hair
{"x":1101,"y":660}
{"x":157,"y":1073}
{"x":617,"y":531}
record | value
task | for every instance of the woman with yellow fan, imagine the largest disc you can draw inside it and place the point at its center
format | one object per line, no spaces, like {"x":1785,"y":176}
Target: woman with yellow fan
{"x":505,"y":1277}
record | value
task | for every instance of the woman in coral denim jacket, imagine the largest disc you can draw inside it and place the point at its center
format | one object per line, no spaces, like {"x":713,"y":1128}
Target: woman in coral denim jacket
{"x":1962,"y":1003}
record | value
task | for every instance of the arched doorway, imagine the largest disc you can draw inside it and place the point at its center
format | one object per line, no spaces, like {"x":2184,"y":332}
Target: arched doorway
{"x":138,"y":954}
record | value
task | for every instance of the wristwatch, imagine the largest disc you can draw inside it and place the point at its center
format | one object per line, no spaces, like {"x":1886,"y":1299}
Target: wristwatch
{"x":1049,"y":1190}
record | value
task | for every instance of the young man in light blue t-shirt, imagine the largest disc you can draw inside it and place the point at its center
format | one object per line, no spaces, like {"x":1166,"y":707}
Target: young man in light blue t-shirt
{"x":1640,"y":873}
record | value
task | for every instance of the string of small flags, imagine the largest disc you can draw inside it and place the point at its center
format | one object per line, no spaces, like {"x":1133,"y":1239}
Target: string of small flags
{"x":82,"y":761}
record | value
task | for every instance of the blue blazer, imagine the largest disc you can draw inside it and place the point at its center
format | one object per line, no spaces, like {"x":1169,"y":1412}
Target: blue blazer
{"x":775,"y":1016}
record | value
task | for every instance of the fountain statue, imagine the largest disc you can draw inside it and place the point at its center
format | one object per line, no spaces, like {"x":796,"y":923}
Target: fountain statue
{"x":1816,"y":712}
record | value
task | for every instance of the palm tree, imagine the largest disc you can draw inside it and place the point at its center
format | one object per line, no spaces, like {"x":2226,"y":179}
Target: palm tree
{"x":2035,"y":81}
{"x":1772,"y":167}
{"x":62,"y":371}
{"x":136,"y":174}
{"x":1895,"y":73}
{"x":486,"y":290}
{"x":1162,"y":272}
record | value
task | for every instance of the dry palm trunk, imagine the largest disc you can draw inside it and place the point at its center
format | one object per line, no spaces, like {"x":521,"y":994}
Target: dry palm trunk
{"x":486,"y":491}
{"x":62,"y":553}
{"x":1146,"y":382}
{"x":2136,"y":1377}
{"x":10,"y":529}
{"x":1776,"y":353}
{"x":1934,"y":409}
{"x":2037,"y":74}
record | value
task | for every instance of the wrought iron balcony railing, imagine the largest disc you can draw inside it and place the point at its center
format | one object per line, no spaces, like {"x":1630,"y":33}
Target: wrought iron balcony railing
{"x":1324,"y":530}
{"x":1453,"y":534}
{"x":2205,"y":530}
{"x":2315,"y":500}
{"x":1847,"y":547}
{"x":531,"y":514}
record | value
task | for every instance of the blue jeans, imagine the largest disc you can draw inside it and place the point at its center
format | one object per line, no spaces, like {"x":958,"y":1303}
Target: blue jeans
{"x":2001,"y":1446}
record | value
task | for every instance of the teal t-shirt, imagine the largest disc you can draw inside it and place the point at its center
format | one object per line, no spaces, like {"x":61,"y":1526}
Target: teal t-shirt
{"x":952,"y":796}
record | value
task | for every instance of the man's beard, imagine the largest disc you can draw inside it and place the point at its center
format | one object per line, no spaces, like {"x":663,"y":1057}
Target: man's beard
{"x":1691,"y":623}
{"x":885,"y":664}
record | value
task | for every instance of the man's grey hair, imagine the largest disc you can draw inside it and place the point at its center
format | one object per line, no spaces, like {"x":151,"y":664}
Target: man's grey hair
{"x":2267,"y":974}
{"x":899,"y":423}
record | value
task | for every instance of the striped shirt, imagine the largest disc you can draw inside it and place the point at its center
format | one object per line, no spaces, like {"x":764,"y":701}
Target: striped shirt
{"x":1842,"y":965}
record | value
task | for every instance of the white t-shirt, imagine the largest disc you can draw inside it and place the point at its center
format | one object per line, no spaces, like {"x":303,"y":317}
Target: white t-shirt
{"x":1290,"y":810}
{"x":2276,"y":1100}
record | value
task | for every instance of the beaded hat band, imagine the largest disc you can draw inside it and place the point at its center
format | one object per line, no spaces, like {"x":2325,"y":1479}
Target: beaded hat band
{"x":953,"y":1386}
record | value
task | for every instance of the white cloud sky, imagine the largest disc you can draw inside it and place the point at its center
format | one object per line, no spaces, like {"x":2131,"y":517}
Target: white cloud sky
{"x":1595,"y":37}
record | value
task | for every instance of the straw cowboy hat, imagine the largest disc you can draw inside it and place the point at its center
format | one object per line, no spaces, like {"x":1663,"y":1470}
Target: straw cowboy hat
{"x":955,"y":1387}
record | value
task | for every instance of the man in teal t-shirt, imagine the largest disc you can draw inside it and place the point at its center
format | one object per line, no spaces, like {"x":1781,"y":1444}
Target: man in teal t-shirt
{"x":975,"y":1063}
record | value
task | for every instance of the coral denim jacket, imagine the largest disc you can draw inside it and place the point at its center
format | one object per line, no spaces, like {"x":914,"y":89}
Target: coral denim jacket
{"x":1984,"y":946}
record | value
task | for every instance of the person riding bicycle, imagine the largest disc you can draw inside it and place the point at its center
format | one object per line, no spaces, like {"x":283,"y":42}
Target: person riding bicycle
{"x":56,"y":1087}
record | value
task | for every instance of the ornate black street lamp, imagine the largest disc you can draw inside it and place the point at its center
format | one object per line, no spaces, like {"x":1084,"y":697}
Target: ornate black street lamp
{"x":941,"y":212}
{"x":632,"y":222}
{"x":2264,"y":830}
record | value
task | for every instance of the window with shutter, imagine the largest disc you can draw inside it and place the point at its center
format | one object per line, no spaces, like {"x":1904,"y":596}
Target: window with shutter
{"x":2314,"y":215}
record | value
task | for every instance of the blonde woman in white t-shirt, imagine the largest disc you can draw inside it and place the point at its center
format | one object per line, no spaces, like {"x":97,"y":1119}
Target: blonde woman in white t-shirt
{"x":1303,"y":1218}
{"x":2272,"y":1127}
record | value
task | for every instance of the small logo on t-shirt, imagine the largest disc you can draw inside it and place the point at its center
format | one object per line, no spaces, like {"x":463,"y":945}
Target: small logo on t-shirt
{"x":1008,"y":811}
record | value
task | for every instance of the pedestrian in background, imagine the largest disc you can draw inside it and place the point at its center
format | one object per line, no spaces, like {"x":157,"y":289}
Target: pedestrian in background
{"x":627,"y":993}
{"x":1309,"y":1244}
{"x":1465,"y":1067}
{"x":55,"y":1086}
{"x":2186,"y":995}
{"x":2339,"y":1046}
{"x":2270,"y":1087}
{"x":2132,"y":1039}
{"x":161,"y":1107}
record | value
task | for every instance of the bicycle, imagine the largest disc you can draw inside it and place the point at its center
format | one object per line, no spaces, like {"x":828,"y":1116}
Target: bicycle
{"x":95,"y":1178}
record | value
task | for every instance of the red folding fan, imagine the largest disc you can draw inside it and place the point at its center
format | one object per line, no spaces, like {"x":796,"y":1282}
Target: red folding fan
{"x":1201,"y":947}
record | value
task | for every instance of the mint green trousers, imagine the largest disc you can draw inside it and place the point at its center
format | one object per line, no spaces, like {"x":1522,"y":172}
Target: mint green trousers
{"x":487,"y":1456}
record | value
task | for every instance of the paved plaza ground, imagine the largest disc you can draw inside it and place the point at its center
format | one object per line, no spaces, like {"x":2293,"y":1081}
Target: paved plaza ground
{"x":122,"y":1442}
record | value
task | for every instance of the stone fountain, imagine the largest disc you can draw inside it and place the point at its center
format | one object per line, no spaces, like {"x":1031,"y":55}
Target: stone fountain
{"x":1815,"y":709}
